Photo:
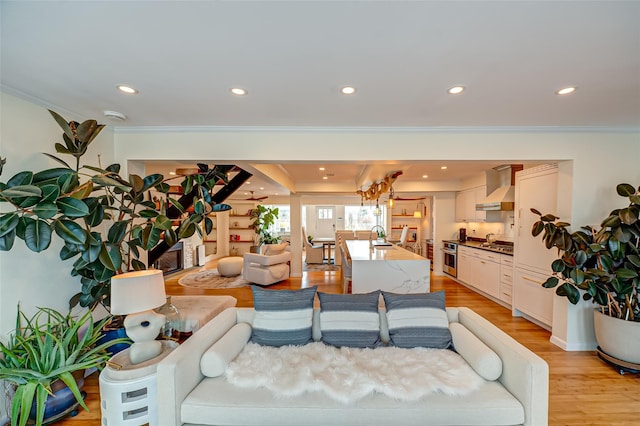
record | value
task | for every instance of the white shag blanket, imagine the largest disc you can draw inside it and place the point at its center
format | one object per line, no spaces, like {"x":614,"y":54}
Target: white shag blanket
{"x":349,"y":374}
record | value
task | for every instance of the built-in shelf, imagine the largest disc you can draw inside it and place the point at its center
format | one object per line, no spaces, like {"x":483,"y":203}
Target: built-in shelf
{"x":404,"y":215}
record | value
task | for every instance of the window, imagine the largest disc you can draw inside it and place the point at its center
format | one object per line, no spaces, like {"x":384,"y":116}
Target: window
{"x":325,"y":213}
{"x":282,"y":224}
{"x":363,"y":217}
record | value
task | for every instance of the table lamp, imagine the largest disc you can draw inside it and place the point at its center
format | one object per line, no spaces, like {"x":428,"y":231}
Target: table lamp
{"x":135,"y":294}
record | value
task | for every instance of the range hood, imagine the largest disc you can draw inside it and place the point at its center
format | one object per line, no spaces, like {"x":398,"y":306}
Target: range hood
{"x":503,"y":198}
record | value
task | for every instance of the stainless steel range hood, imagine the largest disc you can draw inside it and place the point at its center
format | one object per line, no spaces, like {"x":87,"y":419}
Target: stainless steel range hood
{"x":503,"y":198}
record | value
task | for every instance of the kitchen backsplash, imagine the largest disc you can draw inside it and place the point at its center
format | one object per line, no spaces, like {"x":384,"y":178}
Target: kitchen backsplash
{"x":502,"y":231}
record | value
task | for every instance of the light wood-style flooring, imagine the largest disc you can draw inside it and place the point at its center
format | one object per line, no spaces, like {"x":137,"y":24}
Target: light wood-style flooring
{"x":583,"y":389}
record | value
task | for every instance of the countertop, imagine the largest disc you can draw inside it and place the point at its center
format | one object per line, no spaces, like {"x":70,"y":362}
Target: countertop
{"x":360,"y":250}
{"x":495,"y":247}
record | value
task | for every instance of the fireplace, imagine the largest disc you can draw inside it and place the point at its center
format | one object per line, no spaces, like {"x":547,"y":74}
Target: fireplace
{"x":172,"y":260}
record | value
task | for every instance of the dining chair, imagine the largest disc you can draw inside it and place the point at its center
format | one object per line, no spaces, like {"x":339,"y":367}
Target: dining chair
{"x":314,"y":254}
{"x":346,"y":268}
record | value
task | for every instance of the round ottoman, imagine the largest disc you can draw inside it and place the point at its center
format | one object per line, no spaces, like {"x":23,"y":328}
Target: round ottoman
{"x":230,"y":266}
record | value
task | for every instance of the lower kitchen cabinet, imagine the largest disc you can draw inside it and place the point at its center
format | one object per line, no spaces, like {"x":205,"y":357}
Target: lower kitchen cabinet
{"x":506,"y":278}
{"x":531,"y":298}
{"x":479,"y":269}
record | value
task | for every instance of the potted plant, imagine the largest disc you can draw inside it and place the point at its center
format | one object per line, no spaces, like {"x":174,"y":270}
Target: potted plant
{"x":264,"y":217}
{"x":72,"y":201}
{"x":601,"y":265}
{"x":47,"y":349}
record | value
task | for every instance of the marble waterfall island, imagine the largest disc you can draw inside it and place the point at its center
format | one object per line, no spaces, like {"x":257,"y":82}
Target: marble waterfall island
{"x":387,"y":267}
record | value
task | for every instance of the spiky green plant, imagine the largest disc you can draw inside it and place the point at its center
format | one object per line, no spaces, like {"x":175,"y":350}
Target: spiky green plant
{"x":46,"y":347}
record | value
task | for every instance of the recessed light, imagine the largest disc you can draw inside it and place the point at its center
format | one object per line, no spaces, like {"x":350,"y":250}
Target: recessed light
{"x":126,"y":89}
{"x":172,"y":173}
{"x":324,"y":177}
{"x":348,"y":90}
{"x":238,"y":91}
{"x":321,"y":168}
{"x":566,"y":90}
{"x":247,"y":183}
{"x":261,"y":188}
{"x":425,"y":176}
{"x":456,"y":90}
{"x":443,"y":168}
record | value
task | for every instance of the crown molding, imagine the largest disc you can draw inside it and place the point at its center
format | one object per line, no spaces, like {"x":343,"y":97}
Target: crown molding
{"x":435,"y":129}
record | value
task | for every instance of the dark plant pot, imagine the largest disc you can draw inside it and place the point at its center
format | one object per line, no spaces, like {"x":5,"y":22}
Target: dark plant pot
{"x":61,"y":402}
{"x":108,"y":335}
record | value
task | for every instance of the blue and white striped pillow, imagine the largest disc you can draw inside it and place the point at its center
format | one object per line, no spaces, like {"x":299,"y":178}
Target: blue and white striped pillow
{"x":350,"y":319}
{"x":283,"y":317}
{"x":417,"y":320}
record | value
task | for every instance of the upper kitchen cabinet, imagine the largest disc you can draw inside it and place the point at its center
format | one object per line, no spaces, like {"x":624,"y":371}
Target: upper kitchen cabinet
{"x":487,"y":196}
{"x":536,"y":188}
{"x":466,"y":201}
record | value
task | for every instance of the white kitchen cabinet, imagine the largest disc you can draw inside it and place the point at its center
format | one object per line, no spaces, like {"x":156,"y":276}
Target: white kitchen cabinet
{"x":506,"y":278}
{"x":535,"y":188}
{"x":479,"y":269}
{"x":531,"y":298}
{"x":466,"y":201}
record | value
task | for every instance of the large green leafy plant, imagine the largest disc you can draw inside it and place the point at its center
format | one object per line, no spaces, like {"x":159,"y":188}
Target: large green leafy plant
{"x":263,"y":218}
{"x":75,"y":203}
{"x":601,"y":264}
{"x":46,"y":347}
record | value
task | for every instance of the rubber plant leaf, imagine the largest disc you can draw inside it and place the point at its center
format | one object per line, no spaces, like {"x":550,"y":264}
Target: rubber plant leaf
{"x":64,"y":125}
{"x":110,"y":257}
{"x":37,"y":235}
{"x":21,"y":191}
{"x":8,"y":223}
{"x":45,"y":210}
{"x":72,"y":207}
{"x":70,"y":232}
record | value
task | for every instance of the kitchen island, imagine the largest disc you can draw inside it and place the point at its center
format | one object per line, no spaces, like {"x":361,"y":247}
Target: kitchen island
{"x":387,"y":267}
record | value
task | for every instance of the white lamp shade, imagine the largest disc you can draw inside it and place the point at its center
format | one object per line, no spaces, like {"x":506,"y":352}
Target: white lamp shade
{"x":137,"y":291}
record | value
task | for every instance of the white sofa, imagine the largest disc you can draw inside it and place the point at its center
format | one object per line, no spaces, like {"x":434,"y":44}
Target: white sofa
{"x":518,"y":396}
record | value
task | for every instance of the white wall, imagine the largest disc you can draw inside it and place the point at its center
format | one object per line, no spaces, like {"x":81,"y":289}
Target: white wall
{"x":36,"y":279}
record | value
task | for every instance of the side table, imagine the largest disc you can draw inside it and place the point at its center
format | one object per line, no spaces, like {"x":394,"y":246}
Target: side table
{"x":128,"y":392}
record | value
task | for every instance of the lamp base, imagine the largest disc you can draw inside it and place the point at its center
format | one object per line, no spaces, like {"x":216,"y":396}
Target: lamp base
{"x":142,"y":328}
{"x":144,"y":351}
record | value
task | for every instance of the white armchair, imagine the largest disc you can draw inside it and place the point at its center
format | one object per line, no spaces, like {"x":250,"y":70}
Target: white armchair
{"x":266,"y":270}
{"x":314,"y":254}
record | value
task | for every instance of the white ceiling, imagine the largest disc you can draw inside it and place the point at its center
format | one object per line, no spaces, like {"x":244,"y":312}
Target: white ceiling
{"x":294,"y":56}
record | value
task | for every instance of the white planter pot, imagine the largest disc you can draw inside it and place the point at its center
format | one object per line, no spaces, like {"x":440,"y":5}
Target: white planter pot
{"x":618,"y":338}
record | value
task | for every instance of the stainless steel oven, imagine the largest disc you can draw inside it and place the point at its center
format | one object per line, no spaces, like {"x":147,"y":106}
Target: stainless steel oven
{"x":450,"y":261}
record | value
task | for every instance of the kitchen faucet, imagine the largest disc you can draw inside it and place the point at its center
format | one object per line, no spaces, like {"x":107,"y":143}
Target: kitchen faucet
{"x":377,"y":233}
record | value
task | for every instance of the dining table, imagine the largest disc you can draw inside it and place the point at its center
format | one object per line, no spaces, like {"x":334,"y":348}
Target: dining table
{"x":327,"y":244}
{"x":380,"y":265}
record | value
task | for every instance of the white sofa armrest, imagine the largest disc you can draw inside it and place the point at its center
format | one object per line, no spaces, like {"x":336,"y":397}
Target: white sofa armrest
{"x":267,"y":260}
{"x":180,"y":371}
{"x":524,"y":373}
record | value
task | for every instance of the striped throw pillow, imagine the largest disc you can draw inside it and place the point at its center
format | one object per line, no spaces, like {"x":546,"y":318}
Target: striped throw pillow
{"x":350,"y":319}
{"x":283,"y":317}
{"x":417,"y":320}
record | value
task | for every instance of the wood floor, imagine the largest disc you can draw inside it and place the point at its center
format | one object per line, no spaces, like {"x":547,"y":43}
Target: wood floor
{"x":583,"y":389}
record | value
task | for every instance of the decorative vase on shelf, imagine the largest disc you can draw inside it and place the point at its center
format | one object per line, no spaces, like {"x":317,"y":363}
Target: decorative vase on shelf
{"x":172,"y":320}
